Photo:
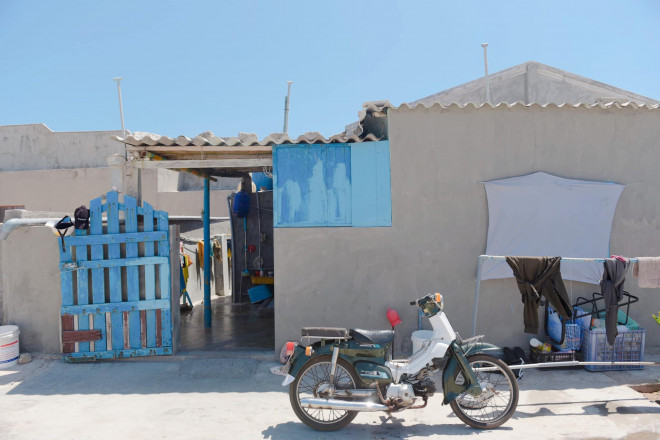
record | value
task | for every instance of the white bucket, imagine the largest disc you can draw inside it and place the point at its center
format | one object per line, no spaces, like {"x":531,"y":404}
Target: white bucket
{"x":8,"y":345}
{"x":419,"y":337}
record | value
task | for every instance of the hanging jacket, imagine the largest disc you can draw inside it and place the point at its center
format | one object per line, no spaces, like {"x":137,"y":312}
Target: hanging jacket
{"x":611,"y":286}
{"x":537,"y":277}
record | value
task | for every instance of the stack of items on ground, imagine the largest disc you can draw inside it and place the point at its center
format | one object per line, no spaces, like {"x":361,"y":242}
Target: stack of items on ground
{"x":596,"y":329}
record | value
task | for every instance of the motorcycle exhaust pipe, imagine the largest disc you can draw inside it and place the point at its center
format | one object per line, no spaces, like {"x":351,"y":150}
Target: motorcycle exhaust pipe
{"x":342,"y":405}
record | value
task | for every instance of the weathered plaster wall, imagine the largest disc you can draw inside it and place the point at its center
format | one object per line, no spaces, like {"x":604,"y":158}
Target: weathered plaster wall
{"x":36,"y":147}
{"x":349,"y":276}
{"x":31,"y":296}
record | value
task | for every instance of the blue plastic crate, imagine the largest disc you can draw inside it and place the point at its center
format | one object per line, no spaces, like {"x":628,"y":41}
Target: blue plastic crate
{"x":259,"y":293}
{"x":628,"y":347}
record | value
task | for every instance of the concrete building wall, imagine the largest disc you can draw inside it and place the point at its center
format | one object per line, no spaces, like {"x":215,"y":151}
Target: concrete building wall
{"x":349,"y":276}
{"x":37,"y":147}
{"x":533,"y":82}
{"x":63,"y":190}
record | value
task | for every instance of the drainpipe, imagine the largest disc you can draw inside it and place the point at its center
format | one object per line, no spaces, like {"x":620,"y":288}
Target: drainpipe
{"x":207,"y":256}
{"x":10,"y":224}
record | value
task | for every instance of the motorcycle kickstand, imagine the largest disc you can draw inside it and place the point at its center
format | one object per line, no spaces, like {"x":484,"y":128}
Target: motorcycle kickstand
{"x":333,"y":368}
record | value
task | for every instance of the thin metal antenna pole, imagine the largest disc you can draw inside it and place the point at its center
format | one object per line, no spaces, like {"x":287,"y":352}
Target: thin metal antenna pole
{"x":485,"y":46}
{"x":286,"y":106}
{"x":121,"y":108}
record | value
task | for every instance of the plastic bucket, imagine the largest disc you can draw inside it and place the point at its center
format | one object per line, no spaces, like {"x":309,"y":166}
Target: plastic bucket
{"x":419,"y":337}
{"x":8,"y":345}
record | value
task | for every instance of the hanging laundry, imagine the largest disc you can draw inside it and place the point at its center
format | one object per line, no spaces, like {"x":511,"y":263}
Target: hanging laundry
{"x":536,"y":277}
{"x":611,"y":286}
{"x":647,"y":272}
{"x":186,"y":262}
{"x":200,"y":254}
{"x":217,"y":249}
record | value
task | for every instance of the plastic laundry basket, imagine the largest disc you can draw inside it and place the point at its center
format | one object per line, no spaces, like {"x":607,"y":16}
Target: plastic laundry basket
{"x":8,"y":345}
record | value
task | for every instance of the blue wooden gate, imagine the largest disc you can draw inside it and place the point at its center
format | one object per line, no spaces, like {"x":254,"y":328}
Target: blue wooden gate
{"x":116,"y":283}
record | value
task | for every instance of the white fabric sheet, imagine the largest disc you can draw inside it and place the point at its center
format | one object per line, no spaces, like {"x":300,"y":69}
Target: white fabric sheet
{"x":545,"y":215}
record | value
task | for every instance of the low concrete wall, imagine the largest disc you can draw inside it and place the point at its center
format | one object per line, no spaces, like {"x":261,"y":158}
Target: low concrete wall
{"x":30,"y":296}
{"x":349,"y":276}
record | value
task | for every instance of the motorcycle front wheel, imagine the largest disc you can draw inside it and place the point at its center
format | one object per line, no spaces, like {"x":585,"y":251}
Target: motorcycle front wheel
{"x":312,"y":379}
{"x":498,"y":399}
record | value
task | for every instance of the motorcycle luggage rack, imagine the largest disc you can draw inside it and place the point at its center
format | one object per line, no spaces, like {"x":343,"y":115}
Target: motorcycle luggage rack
{"x":315,"y":334}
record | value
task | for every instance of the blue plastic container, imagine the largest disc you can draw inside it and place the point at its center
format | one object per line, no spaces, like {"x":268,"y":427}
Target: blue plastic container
{"x":241,"y":204}
{"x":260,"y":180}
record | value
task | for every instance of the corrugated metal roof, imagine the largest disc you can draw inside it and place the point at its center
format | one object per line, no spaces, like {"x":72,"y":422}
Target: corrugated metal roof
{"x":385,"y":105}
{"x":207,"y":139}
{"x":371,"y":113}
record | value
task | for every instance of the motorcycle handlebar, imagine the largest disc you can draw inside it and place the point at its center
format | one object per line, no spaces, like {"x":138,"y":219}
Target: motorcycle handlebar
{"x":413,"y":303}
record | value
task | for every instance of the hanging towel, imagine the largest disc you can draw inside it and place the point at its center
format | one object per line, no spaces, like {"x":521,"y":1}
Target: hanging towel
{"x":536,"y":277}
{"x":647,"y":272}
{"x":611,"y":286}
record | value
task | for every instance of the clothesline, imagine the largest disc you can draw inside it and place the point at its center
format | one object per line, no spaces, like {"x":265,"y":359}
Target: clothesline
{"x":583,"y":260}
{"x":483,"y":258}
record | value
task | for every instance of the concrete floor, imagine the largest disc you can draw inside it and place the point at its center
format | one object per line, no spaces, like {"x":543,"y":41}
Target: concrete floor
{"x":236,"y":327}
{"x":215,"y":395}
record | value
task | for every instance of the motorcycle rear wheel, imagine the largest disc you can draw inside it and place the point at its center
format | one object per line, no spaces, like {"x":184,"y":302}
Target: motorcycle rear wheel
{"x":312,"y":375}
{"x":497,"y":402}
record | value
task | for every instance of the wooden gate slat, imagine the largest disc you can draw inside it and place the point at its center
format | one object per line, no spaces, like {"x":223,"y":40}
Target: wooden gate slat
{"x":80,"y":336}
{"x":115,"y":272}
{"x":115,"y":238}
{"x":132,"y":273}
{"x":149,"y":276}
{"x":98,"y":277}
{"x":116,"y":307}
{"x":66,"y":284}
{"x":67,"y":325}
{"x":82,"y":280}
{"x":165,"y":286}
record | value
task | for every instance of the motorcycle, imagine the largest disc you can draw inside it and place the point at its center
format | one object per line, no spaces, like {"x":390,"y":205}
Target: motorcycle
{"x":335,"y":373}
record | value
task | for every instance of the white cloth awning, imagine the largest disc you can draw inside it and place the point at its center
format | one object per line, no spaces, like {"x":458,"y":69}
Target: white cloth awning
{"x":544,"y":215}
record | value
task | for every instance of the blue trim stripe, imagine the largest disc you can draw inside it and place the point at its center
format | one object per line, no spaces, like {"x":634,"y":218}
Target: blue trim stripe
{"x":10,"y":360}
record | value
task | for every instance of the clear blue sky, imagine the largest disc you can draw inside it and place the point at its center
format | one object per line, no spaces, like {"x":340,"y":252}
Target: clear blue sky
{"x":192,"y":66}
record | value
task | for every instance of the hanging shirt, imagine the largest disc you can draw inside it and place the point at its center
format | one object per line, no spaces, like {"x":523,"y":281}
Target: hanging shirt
{"x":537,"y":277}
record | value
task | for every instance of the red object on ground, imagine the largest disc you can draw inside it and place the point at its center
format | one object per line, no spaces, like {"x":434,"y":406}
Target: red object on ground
{"x":393,"y":317}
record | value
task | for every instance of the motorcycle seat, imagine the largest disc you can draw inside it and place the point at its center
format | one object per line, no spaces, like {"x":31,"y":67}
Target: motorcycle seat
{"x":372,"y":336}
